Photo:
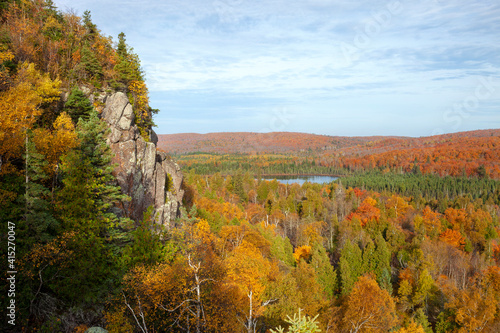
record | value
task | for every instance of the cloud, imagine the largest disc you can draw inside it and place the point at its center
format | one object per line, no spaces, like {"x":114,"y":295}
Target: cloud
{"x":365,"y":58}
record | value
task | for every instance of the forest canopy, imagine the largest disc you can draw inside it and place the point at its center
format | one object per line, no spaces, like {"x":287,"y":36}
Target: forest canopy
{"x":406,"y":241}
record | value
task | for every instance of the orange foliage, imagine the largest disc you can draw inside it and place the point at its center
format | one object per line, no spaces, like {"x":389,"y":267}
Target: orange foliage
{"x":366,"y":212}
{"x":451,"y":154}
{"x":20,"y":108}
{"x":369,"y":308}
{"x":474,"y":307}
{"x":453,"y":237}
{"x":432,"y":220}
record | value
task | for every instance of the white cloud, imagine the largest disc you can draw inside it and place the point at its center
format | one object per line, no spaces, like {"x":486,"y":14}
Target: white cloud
{"x":431,"y":51}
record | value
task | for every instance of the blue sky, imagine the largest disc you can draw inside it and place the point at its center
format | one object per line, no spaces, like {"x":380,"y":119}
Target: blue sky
{"x":396,"y":67}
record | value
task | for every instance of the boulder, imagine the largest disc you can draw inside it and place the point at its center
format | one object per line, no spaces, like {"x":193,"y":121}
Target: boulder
{"x":96,"y":330}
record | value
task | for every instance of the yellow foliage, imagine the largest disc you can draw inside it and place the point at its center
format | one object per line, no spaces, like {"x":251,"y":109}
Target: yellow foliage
{"x":369,"y":308}
{"x":45,"y":88}
{"x":51,"y":23}
{"x":247,"y":268}
{"x":5,"y":55}
{"x":141,"y":103}
{"x":302,"y":252}
{"x":58,"y":142}
{"x":117,"y":321}
{"x":312,"y":232}
{"x":412,"y":328}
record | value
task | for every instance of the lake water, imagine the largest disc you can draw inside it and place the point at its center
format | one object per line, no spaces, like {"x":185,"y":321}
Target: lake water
{"x":302,"y":179}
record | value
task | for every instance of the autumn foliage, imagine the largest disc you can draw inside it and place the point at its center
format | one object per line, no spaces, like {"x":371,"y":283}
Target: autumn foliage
{"x":414,"y":246}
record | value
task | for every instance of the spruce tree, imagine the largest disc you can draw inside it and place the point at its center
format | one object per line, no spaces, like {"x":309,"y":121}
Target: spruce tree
{"x":90,"y":64}
{"x":350,"y":266}
{"x":85,"y":201}
{"x":78,"y":105}
{"x":39,"y":222}
{"x":382,"y":263}
{"x":128,"y":65}
{"x":325,"y":274}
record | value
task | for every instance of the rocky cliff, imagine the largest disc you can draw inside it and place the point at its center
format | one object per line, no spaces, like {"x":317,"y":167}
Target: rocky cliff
{"x":149,"y":177}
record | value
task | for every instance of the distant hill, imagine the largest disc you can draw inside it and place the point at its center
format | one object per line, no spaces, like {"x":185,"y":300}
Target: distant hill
{"x":248,"y":142}
{"x":290,"y":142}
{"x":464,"y":153}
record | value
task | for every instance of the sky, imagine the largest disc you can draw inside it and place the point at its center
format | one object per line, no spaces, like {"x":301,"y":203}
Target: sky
{"x":334,"y":67}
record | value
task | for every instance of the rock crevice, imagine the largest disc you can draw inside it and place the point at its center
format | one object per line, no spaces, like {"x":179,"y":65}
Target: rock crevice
{"x":141,"y":171}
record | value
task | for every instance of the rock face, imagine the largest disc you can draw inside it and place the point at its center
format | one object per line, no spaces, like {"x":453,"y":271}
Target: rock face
{"x":149,"y":177}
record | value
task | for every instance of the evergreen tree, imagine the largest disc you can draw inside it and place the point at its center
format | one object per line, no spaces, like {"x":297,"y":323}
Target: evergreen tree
{"x":90,"y":65}
{"x":89,"y":25}
{"x":39,"y":221}
{"x":78,"y":105}
{"x":85,"y":201}
{"x":325,"y":274}
{"x":382,"y":263}
{"x":128,"y":65}
{"x":350,"y":266}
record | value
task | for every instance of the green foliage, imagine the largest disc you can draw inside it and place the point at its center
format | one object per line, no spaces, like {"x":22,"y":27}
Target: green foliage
{"x":90,"y":65}
{"x":326,"y":275}
{"x":428,"y":186}
{"x":84,"y":206}
{"x":382,"y":266}
{"x":421,"y":318}
{"x":424,"y":288}
{"x":78,"y":105}
{"x":350,"y":266}
{"x":300,"y":324}
{"x":88,"y":179}
{"x":238,"y":187}
{"x":128,"y":65}
{"x":40,"y":224}
{"x":147,"y":247}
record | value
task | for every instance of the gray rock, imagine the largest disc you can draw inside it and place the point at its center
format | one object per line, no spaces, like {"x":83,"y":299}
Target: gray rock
{"x":115,"y":105}
{"x":96,"y":330}
{"x":141,"y":170}
{"x":154,"y":137}
{"x":127,"y":117}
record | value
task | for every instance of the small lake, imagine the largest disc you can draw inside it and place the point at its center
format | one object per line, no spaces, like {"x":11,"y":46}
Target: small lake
{"x":301,"y":179}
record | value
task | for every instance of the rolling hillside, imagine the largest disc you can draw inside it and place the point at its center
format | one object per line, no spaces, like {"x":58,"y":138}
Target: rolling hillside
{"x":245,"y":142}
{"x":456,"y":154}
{"x":288,"y":142}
